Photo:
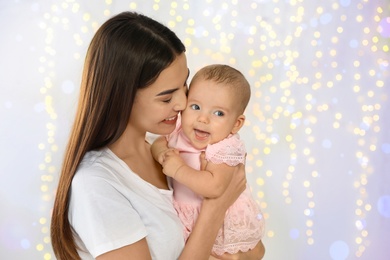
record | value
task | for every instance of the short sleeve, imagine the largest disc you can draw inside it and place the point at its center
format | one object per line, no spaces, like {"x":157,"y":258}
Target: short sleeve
{"x":230,"y":151}
{"x":100,"y":215}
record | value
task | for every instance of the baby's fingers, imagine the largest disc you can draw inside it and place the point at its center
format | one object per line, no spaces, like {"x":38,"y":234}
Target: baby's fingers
{"x":203,"y":161}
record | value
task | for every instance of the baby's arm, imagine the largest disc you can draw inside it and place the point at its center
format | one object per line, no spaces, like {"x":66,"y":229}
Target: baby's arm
{"x":159,"y":147}
{"x":210,"y":182}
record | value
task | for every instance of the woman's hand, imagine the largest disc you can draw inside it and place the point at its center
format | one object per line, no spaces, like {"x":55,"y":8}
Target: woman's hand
{"x":211,"y":216}
{"x":233,"y":191}
{"x":235,"y":188}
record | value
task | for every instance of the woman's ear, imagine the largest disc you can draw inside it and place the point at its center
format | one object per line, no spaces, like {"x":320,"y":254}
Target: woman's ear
{"x":239,"y":123}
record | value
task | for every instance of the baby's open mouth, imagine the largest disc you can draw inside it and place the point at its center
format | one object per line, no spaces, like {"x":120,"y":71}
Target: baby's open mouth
{"x":201,"y":135}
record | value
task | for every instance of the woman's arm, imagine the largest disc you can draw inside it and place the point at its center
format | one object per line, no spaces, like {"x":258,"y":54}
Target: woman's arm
{"x":211,"y":217}
{"x":210,"y":182}
{"x":238,"y":180}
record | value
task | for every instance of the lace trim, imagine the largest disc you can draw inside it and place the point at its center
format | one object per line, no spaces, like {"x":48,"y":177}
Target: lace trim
{"x":243,"y":227}
{"x":230,"y":151}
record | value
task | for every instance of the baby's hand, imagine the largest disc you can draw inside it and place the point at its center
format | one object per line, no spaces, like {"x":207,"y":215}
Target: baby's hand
{"x":161,"y":155}
{"x":172,"y":162}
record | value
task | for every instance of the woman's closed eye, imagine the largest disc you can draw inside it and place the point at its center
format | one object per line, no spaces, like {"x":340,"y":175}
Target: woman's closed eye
{"x":167,"y":100}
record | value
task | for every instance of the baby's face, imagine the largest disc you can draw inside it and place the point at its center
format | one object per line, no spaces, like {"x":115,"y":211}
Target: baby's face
{"x":211,"y":113}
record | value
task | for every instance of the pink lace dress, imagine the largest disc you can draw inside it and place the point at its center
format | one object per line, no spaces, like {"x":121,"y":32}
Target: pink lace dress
{"x":243,"y":226}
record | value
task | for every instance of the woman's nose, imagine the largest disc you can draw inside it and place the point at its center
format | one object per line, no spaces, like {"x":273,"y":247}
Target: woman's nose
{"x":181,"y":101}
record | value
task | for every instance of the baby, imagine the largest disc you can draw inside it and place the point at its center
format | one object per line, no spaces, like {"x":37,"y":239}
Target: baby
{"x":217,"y":98}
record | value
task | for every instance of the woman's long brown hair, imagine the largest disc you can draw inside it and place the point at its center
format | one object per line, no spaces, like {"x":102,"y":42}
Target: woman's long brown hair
{"x":127,"y":53}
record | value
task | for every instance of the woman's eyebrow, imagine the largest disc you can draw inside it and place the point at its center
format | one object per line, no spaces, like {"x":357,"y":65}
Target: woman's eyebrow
{"x":170,"y":91}
{"x":166,"y":92}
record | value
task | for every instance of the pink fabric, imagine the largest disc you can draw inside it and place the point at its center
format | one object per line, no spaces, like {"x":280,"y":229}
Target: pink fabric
{"x":243,"y":226}
{"x":230,"y":151}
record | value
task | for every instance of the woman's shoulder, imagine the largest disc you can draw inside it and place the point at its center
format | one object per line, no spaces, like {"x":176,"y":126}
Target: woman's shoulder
{"x":98,"y":165}
{"x":102,"y":169}
{"x":95,"y":160}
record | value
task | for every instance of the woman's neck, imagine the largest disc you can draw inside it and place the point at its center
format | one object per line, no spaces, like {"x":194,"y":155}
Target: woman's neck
{"x":133,"y":149}
{"x":129,"y":144}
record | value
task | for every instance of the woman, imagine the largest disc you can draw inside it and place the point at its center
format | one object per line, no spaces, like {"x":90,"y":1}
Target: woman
{"x":113,"y":201}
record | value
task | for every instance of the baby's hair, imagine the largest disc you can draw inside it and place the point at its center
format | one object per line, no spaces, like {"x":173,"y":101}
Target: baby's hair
{"x":230,"y":76}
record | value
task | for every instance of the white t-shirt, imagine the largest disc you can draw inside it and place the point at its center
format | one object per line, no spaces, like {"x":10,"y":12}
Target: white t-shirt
{"x":111,"y":207}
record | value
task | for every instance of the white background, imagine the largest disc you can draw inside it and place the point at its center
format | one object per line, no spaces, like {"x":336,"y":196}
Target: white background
{"x":317,"y":129}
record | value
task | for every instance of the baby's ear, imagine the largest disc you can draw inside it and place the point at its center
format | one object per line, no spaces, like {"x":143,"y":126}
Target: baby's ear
{"x":239,"y":123}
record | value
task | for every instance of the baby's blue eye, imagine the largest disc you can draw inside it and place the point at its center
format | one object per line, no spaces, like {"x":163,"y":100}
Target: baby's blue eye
{"x":219,"y":113}
{"x":195,"y":107}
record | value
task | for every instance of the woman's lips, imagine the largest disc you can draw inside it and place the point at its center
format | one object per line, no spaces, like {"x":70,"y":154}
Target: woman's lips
{"x":170,"y":120}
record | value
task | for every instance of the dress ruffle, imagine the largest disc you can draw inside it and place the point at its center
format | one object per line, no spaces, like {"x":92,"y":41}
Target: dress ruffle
{"x":243,"y":227}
